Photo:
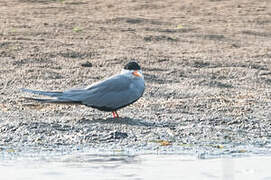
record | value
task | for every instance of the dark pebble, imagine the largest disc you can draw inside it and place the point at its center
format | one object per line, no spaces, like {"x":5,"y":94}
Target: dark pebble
{"x":86,"y":64}
{"x":118,"y":135}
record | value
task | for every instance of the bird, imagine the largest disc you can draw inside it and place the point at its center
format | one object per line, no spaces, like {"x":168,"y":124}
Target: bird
{"x":110,"y":95}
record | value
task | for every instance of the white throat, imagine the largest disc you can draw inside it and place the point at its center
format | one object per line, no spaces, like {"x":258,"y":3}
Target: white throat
{"x":127,"y":72}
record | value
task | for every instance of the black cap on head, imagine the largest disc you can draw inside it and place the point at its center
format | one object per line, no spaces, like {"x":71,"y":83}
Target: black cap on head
{"x":132,"y":66}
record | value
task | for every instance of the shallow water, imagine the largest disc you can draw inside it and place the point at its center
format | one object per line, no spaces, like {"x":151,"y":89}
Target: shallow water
{"x":120,"y":165}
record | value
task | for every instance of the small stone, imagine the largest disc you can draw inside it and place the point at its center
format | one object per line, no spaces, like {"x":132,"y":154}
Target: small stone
{"x":86,"y":64}
{"x":118,"y":135}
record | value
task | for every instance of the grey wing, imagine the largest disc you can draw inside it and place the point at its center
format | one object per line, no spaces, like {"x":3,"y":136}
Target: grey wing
{"x":114,"y":92}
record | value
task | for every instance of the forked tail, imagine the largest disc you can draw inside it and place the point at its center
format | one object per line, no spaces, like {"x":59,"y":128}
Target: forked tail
{"x":44,"y":93}
{"x":58,"y":95}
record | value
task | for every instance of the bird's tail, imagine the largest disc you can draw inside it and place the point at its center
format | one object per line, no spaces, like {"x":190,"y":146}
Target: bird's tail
{"x":56,"y":101}
{"x":58,"y":95}
{"x":44,"y":93}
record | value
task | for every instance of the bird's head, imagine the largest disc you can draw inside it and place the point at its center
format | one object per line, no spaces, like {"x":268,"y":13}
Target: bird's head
{"x":133,"y":68}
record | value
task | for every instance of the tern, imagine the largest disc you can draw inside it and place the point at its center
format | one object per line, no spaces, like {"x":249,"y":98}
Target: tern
{"x":110,"y":95}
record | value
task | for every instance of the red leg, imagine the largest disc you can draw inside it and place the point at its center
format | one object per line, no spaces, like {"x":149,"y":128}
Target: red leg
{"x":115,"y":114}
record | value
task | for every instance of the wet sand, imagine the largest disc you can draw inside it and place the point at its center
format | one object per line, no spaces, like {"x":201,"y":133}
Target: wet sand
{"x":206,"y":64}
{"x":138,"y":167}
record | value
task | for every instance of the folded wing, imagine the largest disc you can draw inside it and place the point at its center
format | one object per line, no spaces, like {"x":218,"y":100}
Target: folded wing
{"x":110,"y":94}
